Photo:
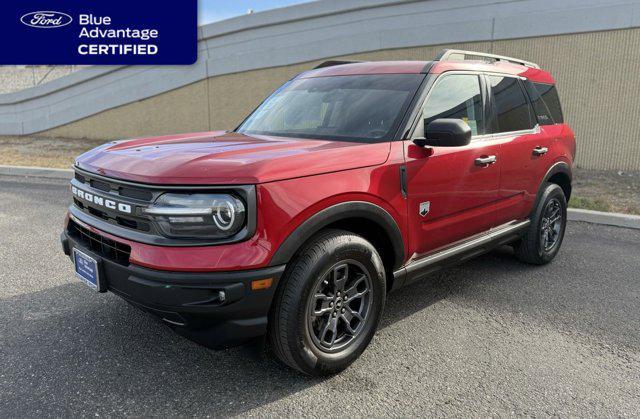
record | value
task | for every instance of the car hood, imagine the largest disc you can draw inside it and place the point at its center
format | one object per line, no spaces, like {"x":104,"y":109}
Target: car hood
{"x":227,"y":158}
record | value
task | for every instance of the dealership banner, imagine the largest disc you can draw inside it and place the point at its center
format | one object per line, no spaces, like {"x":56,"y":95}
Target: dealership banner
{"x":144,"y":32}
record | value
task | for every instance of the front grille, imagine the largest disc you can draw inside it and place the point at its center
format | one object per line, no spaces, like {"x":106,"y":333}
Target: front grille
{"x":80,"y":177}
{"x":137,"y":197}
{"x":136,"y":193}
{"x":103,"y":186}
{"x":116,"y":188}
{"x":113,"y":219}
{"x":103,"y":246}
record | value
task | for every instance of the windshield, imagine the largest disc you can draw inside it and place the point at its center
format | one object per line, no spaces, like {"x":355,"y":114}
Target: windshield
{"x":346,"y":108}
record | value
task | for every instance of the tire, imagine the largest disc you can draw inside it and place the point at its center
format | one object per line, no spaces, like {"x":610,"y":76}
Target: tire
{"x":332,"y":264}
{"x":542,"y":241}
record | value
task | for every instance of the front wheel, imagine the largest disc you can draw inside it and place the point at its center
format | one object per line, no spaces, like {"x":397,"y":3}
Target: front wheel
{"x":543,"y":239}
{"x":328,"y":304}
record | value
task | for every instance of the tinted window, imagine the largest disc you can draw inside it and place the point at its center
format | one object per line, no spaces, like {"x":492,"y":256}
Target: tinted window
{"x":359,"y":108}
{"x":456,"y":96}
{"x":550,"y":96}
{"x":542,"y":113}
{"x":511,"y":107}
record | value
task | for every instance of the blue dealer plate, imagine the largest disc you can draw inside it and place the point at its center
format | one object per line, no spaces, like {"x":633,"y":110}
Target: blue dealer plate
{"x":86,"y":269}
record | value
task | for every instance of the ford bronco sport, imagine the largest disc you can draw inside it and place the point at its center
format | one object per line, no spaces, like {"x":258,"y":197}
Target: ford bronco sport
{"x":349,"y":181}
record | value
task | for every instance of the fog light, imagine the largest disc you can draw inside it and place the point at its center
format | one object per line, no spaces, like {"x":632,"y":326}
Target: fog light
{"x":222,"y":296}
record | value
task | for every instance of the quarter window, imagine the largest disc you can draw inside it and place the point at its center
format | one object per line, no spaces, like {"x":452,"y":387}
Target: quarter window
{"x":542,"y":113}
{"x":510,"y":104}
{"x":456,"y":96}
{"x":550,"y":96}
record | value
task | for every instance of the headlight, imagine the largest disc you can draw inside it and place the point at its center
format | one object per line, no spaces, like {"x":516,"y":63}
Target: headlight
{"x":200,"y":216}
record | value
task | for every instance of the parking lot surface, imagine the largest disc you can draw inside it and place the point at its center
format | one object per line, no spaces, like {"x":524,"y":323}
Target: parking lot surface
{"x":491,"y":336}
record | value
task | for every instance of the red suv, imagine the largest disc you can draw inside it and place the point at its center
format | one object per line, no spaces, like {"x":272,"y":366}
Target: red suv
{"x":349,"y":181}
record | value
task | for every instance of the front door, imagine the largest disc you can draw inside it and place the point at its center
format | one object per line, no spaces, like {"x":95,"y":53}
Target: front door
{"x":451,"y":191}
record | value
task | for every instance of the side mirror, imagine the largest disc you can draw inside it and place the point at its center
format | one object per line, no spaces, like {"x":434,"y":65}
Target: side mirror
{"x":445,"y":132}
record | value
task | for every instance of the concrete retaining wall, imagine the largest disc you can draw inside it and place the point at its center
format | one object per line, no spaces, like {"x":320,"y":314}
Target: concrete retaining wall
{"x":16,"y":78}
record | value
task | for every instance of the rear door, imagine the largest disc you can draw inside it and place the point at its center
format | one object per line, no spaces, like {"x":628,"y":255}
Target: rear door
{"x":450,"y":195}
{"x":524,"y":146}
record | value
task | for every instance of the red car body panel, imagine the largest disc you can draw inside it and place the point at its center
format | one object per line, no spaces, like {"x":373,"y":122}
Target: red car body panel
{"x":220,"y":158}
{"x":379,"y":185}
{"x":460,"y":193}
{"x":226,"y":257}
{"x":296,"y":178}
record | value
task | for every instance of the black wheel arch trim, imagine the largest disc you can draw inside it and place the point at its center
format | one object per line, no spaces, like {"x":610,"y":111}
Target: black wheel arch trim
{"x":335,"y":213}
{"x":558,"y":167}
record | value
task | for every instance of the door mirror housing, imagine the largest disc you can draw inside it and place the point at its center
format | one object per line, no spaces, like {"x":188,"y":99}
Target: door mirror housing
{"x":445,"y":132}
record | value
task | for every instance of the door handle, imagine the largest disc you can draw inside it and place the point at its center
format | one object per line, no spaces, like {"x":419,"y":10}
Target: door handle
{"x":485,"y":160}
{"x":539,"y":151}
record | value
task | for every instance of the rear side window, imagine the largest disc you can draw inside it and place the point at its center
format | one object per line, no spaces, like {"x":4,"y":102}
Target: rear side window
{"x":510,"y":105}
{"x":550,"y":97}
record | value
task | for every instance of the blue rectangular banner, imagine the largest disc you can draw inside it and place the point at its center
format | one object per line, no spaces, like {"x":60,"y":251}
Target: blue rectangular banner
{"x":145,"y":32}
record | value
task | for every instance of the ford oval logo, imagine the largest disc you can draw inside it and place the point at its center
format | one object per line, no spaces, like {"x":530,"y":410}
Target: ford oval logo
{"x":46,"y":19}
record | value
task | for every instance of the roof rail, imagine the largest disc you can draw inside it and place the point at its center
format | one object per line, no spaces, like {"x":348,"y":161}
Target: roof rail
{"x":331,"y":63}
{"x":449,"y":54}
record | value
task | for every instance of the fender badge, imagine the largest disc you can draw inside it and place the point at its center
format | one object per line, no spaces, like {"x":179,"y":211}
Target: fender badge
{"x":424,"y":208}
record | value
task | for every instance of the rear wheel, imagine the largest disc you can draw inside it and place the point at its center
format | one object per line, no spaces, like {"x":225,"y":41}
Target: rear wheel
{"x":544,"y":237}
{"x":328,"y":305}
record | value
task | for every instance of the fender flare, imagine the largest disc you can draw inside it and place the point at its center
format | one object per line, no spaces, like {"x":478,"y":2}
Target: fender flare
{"x":337,"y":212}
{"x":558,"y":167}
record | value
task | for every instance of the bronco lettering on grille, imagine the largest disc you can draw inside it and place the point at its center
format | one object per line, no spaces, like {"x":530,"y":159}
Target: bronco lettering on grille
{"x":101,"y":201}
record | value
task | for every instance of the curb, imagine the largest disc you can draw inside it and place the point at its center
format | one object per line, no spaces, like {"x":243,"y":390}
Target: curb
{"x":32,"y":171}
{"x":573,"y":214}
{"x":605,"y":218}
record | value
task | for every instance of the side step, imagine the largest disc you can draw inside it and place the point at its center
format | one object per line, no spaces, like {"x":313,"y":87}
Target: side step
{"x":459,"y":252}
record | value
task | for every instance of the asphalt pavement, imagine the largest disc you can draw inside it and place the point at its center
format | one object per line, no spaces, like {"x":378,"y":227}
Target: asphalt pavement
{"x":489,"y":337}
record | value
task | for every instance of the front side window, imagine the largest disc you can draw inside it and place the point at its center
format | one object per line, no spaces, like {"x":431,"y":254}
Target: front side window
{"x":366,"y":108}
{"x":456,"y":96}
{"x":510,"y":105}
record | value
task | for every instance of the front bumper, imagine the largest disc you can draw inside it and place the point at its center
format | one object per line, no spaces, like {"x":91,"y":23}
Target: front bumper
{"x":191,"y":302}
